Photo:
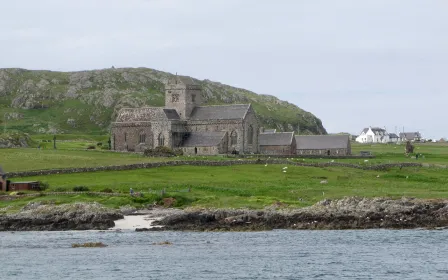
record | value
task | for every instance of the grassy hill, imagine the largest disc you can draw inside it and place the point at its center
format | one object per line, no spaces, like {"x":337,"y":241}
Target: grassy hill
{"x":86,"y":102}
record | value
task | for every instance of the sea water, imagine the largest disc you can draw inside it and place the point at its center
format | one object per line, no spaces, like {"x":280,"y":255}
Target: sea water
{"x":279,"y":254}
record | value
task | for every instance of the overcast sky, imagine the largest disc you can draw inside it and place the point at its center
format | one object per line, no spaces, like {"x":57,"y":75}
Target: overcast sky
{"x":352,"y":63}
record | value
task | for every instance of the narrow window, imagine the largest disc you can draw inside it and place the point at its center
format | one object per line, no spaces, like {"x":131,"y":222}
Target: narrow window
{"x":250,"y":135}
{"x":161,"y":140}
{"x":233,"y":138}
{"x":125,"y":137}
{"x":193,"y":98}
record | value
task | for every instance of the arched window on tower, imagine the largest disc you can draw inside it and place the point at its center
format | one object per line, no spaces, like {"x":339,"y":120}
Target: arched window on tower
{"x":233,"y":138}
{"x":142,"y":138}
{"x":250,"y":135}
{"x":161,"y":140}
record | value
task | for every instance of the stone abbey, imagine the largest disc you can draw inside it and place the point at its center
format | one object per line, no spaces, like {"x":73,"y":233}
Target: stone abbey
{"x":185,"y":124}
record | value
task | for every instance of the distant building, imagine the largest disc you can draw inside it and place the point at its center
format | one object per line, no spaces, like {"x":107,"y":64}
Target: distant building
{"x":280,"y":143}
{"x":373,"y":135}
{"x":325,"y":145}
{"x":410,"y":136}
{"x":393,"y":138}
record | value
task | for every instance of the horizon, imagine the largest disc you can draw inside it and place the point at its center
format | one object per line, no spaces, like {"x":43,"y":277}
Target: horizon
{"x":351,"y":64}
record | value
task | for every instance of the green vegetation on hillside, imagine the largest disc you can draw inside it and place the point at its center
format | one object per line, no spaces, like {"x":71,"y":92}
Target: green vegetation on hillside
{"x":75,"y":102}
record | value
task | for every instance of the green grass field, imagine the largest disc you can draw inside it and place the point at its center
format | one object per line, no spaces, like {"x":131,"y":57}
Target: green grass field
{"x":252,"y":186}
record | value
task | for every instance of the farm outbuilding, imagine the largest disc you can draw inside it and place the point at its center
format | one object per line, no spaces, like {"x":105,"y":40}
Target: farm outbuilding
{"x":325,"y":145}
{"x":280,"y":143}
{"x":24,"y":186}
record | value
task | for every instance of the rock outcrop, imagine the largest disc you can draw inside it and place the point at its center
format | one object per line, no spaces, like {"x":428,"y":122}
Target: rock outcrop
{"x":77,"y":216}
{"x":347,"y":213}
{"x":14,"y":140}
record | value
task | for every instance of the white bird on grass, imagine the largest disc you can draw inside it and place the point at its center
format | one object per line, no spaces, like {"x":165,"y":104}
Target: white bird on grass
{"x":286,"y":167}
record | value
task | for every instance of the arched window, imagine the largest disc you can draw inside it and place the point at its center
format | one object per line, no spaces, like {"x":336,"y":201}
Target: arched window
{"x":142,"y":138}
{"x":233,"y":138}
{"x":161,"y":140}
{"x":250,"y":135}
{"x":125,"y":137}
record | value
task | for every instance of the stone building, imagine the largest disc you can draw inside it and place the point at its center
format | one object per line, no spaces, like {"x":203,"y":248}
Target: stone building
{"x":183,"y":123}
{"x":325,"y":145}
{"x":277,"y":143}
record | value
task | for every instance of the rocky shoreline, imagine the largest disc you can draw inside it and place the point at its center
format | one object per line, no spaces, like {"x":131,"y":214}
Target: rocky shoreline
{"x":347,"y":213}
{"x":77,"y":216}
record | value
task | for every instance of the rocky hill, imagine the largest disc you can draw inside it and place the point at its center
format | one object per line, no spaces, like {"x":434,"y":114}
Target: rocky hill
{"x":86,"y":102}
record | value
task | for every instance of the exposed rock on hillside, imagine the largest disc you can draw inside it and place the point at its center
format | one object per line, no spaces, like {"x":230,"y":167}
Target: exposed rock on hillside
{"x":44,"y":101}
{"x":14,"y":140}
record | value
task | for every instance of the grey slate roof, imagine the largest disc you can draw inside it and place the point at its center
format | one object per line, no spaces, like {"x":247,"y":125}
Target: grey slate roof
{"x":276,"y":139}
{"x":146,"y":114}
{"x":374,"y":129}
{"x":204,"y":139}
{"x":183,"y":79}
{"x":410,"y":135}
{"x":393,"y":135}
{"x":220,"y":112}
{"x":322,"y":142}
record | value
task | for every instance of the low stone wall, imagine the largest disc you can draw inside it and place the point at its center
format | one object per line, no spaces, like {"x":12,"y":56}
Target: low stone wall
{"x":262,"y":156}
{"x":378,"y":167}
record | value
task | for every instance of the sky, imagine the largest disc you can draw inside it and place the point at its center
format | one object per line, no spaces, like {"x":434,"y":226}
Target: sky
{"x":352,"y":63}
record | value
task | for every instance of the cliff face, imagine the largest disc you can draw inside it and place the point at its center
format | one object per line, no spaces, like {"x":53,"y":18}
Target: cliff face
{"x":87,"y":101}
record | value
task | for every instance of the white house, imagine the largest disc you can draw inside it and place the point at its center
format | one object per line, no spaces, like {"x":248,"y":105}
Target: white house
{"x":373,"y":135}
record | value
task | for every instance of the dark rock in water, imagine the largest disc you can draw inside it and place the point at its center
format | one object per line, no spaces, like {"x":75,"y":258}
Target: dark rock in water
{"x":150,"y":229}
{"x":78,"y":216}
{"x":347,"y":213}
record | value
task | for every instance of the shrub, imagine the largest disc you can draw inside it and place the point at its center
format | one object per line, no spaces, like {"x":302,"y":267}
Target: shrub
{"x":107,"y":190}
{"x":80,"y":189}
{"x":91,"y":147}
{"x":44,"y":186}
{"x":160,"y":151}
{"x":99,"y":144}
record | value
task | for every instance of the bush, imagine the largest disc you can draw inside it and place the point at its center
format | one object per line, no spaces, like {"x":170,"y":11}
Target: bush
{"x":160,"y":151}
{"x":44,"y":186}
{"x":107,"y":190}
{"x":91,"y":147}
{"x":80,"y":189}
{"x":99,"y":144}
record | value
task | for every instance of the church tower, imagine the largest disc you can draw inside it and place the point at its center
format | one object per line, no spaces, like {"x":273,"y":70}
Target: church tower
{"x":182,"y":94}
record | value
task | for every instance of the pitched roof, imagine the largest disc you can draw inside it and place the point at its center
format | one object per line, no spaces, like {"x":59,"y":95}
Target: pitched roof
{"x":393,"y":135}
{"x":204,"y":139}
{"x":410,"y":135}
{"x":276,"y":139}
{"x":321,"y":142}
{"x":146,"y":114}
{"x":374,"y":129}
{"x":182,"y":79}
{"x":220,"y":112}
